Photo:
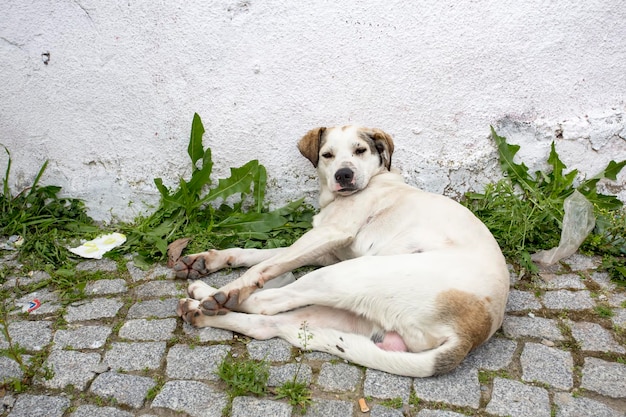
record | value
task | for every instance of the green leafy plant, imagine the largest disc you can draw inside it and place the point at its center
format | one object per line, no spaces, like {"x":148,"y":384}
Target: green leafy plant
{"x":297,"y":392}
{"x":43,"y":219}
{"x":193,"y":210}
{"x":525,"y":212}
{"x":244,"y":377}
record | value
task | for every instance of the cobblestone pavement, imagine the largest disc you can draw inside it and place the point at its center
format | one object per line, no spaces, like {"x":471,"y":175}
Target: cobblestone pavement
{"x":123,"y":352}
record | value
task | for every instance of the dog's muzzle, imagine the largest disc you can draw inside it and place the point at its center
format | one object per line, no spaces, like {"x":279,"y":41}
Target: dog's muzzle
{"x":345,"y":179}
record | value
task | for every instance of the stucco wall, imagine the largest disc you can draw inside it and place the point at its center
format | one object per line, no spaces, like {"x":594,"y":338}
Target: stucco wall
{"x":112,"y":103}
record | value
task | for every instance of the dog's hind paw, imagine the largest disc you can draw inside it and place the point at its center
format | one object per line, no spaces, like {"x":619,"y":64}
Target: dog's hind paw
{"x":219,"y":303}
{"x":189,"y":310}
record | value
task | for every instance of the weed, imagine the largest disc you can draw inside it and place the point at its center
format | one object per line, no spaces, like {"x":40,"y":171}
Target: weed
{"x":244,"y":377}
{"x":524,"y":212}
{"x":604,"y":311}
{"x":414,"y":400}
{"x":154,"y":391}
{"x":193,"y":210}
{"x":392,"y":402}
{"x":298,"y":393}
{"x":43,"y":219}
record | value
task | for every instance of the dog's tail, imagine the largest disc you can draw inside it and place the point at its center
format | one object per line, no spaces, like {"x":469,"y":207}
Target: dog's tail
{"x":363,"y":351}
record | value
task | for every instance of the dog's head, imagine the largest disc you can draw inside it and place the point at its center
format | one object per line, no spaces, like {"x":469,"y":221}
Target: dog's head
{"x":346,"y":157}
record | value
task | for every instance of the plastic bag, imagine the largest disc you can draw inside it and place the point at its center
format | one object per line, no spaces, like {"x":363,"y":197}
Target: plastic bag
{"x":578,"y":222}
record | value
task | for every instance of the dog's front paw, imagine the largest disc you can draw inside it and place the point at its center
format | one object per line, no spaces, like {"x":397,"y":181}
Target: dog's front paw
{"x":200,"y":264}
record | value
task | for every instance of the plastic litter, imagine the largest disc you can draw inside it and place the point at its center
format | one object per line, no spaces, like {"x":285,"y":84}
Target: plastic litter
{"x":97,"y":247}
{"x":578,"y":222}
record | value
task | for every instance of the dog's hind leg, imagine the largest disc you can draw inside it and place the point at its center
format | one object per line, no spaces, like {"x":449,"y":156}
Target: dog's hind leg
{"x":294,"y":326}
{"x":324,"y":329}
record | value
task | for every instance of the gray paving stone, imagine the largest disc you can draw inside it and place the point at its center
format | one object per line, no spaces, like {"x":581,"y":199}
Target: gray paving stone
{"x":221,"y":278}
{"x":578,"y":262}
{"x":593,"y":337}
{"x":382,"y":385}
{"x":546,"y":364}
{"x":522,"y":300}
{"x":106,"y":287}
{"x":158,"y":272}
{"x":201,"y":362}
{"x":135,"y":356}
{"x":330,"y":408}
{"x":94,"y":411}
{"x":272,"y":350}
{"x":248,"y":406}
{"x":9,"y":369}
{"x":563,"y":281}
{"x":514,"y":399}
{"x":378,"y":410}
{"x":496,"y":354}
{"x":30,"y":335}
{"x":192,"y":397}
{"x":159,"y":309}
{"x":144,"y":329}
{"x":207,"y":334}
{"x":106,"y":265}
{"x":617,"y":299}
{"x":459,"y":387}
{"x":321,"y":356}
{"x":126,"y":389}
{"x":71,"y":368}
{"x":136,"y":273}
{"x":284,"y":373}
{"x":532,"y":327}
{"x":619,"y":319}
{"x":603,"y":280}
{"x":339,"y":377}
{"x":153,"y":289}
{"x":23,"y":281}
{"x":568,"y":300}
{"x":99,"y":308}
{"x":39,"y":406}
{"x":568,"y":406}
{"x":438,"y":413}
{"x":82,"y":337}
{"x":606,"y":378}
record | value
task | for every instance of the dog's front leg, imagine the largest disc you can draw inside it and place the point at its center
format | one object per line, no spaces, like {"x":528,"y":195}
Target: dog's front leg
{"x":314,"y":248}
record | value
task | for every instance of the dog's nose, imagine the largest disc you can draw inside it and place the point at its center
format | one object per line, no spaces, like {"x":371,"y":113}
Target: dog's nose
{"x":344,"y":176}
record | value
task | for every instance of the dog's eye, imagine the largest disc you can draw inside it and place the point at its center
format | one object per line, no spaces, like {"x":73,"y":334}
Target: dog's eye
{"x":359,"y":151}
{"x":327,"y":155}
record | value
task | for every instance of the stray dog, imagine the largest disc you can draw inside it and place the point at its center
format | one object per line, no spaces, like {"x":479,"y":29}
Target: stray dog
{"x":411,"y":281}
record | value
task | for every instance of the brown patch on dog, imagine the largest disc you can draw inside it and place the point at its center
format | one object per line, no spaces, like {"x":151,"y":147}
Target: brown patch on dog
{"x":469,"y":317}
{"x":383,"y":144}
{"x":309,"y":145}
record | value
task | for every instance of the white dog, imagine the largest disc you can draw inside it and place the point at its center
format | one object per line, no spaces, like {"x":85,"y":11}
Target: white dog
{"x":412,"y":281}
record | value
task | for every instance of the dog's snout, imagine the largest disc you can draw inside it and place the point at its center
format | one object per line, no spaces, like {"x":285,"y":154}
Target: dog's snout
{"x":344,"y":176}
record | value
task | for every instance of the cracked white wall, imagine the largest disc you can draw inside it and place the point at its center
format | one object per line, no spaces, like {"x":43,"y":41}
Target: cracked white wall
{"x":106,"y":92}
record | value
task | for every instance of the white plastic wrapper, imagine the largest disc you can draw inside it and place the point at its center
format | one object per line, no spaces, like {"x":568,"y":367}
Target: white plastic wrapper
{"x":97,"y":247}
{"x":578,"y":222}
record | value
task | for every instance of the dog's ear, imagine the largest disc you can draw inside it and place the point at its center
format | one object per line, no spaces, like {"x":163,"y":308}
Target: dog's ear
{"x":384,"y":146}
{"x":309,"y":145}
